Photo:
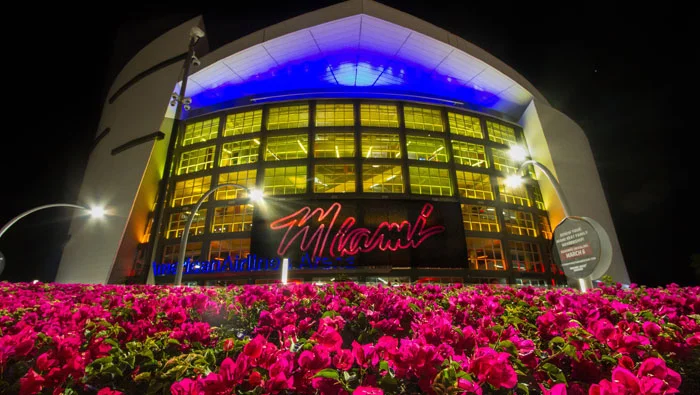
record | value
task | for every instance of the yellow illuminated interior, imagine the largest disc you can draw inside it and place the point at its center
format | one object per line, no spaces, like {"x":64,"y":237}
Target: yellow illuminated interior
{"x":200,"y":131}
{"x":429,"y":149}
{"x":464,"y":125}
{"x":474,"y":185}
{"x":238,"y":218}
{"x":171,"y":252}
{"x":243,"y":122}
{"x":501,"y":133}
{"x":469,"y":154}
{"x":288,"y":117}
{"x":335,"y":114}
{"x":519,"y":223}
{"x":485,"y":254}
{"x":187,"y":192}
{"x":176,"y":225}
{"x":537,"y":196}
{"x":430,"y":181}
{"x":334,"y":178}
{"x":196,"y":160}
{"x":382,"y":178}
{"x":285,"y":180}
{"x":513,"y":194}
{"x":334,"y":145}
{"x":525,"y":257}
{"x":239,"y":152}
{"x":220,"y":249}
{"x":380,"y":115}
{"x":422,"y":118}
{"x":545,"y":227}
{"x":295,"y":146}
{"x":243,"y":177}
{"x":381,"y":145}
{"x":480,"y":218}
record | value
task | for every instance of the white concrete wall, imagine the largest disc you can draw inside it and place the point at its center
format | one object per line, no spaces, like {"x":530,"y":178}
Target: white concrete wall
{"x":115,"y":181}
{"x":561,"y":145}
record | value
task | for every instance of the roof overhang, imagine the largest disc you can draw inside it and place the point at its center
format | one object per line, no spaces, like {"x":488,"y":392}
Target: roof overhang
{"x":357,"y":48}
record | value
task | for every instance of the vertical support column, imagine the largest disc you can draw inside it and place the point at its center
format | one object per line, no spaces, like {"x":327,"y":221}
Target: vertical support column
{"x":404,"y":149}
{"x":358,"y":147}
{"x":311,"y":160}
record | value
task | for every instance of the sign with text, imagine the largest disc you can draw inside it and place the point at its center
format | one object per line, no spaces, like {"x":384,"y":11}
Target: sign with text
{"x":581,"y":246}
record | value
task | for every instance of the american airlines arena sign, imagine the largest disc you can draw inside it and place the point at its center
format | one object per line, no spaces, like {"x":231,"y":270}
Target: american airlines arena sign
{"x":324,"y":241}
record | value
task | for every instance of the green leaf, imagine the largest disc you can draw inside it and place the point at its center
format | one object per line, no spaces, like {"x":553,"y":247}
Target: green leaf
{"x":414,"y":307}
{"x":329,"y":313}
{"x":554,"y":372}
{"x":145,"y":376}
{"x":523,"y":387}
{"x":112,"y":342}
{"x":173,"y":341}
{"x":383,"y":365}
{"x":328,"y":373}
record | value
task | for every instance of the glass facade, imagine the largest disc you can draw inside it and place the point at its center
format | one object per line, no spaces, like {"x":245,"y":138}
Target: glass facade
{"x":382,"y":161}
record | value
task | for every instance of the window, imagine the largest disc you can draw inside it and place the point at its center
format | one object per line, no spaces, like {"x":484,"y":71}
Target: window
{"x":172,"y":251}
{"x":243,"y":122}
{"x":549,"y":260}
{"x":503,"y":162}
{"x":382,"y":178}
{"x":235,"y":248}
{"x":429,"y":181}
{"x":201,"y":131}
{"x":525,"y":257}
{"x":423,"y":119}
{"x":285,"y":180}
{"x":469,"y":154}
{"x":381,"y":115}
{"x":196,"y":160}
{"x":177,"y":222}
{"x":533,"y":282}
{"x":287,"y":147}
{"x":335,"y":114}
{"x":519,"y":223}
{"x":288,"y":117}
{"x":537,"y":197}
{"x":474,"y":185}
{"x":334,"y":178}
{"x":500,"y":133}
{"x":545,"y":228}
{"x":485,"y":254}
{"x":238,"y":218}
{"x":464,"y":125}
{"x":239,"y":152}
{"x":381,"y":145}
{"x":479,"y":218}
{"x":426,"y":148}
{"x":189,"y":191}
{"x":245,"y":178}
{"x":334,"y":145}
{"x":510,"y":194}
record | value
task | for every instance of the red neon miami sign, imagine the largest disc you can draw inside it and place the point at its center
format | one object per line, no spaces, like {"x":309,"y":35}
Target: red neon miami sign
{"x":348,"y":240}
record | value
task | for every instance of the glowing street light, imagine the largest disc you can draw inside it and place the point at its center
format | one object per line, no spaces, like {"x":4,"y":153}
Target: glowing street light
{"x":95,"y":212}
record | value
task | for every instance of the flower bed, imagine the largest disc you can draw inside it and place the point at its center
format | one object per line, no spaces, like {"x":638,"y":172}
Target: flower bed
{"x":346,"y":338}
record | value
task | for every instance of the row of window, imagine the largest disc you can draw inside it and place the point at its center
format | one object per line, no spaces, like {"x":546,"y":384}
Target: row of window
{"x":342,"y":114}
{"x":483,"y":254}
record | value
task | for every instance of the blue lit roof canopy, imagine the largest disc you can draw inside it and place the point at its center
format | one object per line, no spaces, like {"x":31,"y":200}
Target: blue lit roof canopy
{"x":359,"y":55}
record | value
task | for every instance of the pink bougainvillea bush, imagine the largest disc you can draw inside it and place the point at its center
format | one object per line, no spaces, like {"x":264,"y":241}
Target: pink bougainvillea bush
{"x":345,"y":338}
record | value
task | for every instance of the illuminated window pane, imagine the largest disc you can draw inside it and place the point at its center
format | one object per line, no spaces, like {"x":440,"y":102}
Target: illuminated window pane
{"x":177,"y":222}
{"x":235,"y":248}
{"x":288,"y":117}
{"x":469,"y":154}
{"x":237,"y":218}
{"x":334,"y":145}
{"x":334,"y":178}
{"x":239,"y":152}
{"x":519,"y":223}
{"x":426,"y":148}
{"x":201,"y":131}
{"x":548,"y":260}
{"x":500,"y":133}
{"x":532,"y":282}
{"x":474,"y":185}
{"x":196,"y":160}
{"x":382,"y":178}
{"x":525,"y":257}
{"x":479,"y":218}
{"x":243,"y":122}
{"x":429,"y":181}
{"x":285,"y":180}
{"x":245,"y":178}
{"x":537,"y":197}
{"x":545,"y":227}
{"x":382,"y":115}
{"x":335,"y":114}
{"x":515,"y":195}
{"x":423,"y":119}
{"x":503,"y":162}
{"x":287,"y":147}
{"x":189,"y":191}
{"x":171,"y":252}
{"x":381,"y":145}
{"x":485,"y":254}
{"x":464,"y":125}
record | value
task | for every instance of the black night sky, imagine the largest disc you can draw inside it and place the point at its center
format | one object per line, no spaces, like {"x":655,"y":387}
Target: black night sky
{"x":622,"y":72}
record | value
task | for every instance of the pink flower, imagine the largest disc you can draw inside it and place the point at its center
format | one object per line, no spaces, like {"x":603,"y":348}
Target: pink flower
{"x":254,"y":347}
{"x":651,"y":329}
{"x":186,"y":387}
{"x":343,"y":360}
{"x":31,"y":383}
{"x":494,"y":368}
{"x":108,"y":391}
{"x":328,"y":338}
{"x":279,"y":383}
{"x":367,"y":391}
{"x":626,"y":378}
{"x":228,"y":344}
{"x":557,"y":389}
{"x":469,"y":386}
{"x":314,"y":360}
{"x":694,"y":341}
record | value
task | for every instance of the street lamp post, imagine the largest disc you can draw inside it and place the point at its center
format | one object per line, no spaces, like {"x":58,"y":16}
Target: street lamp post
{"x":254,"y":195}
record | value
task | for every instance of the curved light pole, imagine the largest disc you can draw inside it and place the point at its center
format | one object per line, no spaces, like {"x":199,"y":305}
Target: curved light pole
{"x":94,"y":212}
{"x":254,"y":196}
